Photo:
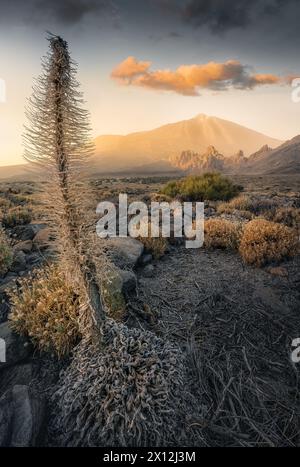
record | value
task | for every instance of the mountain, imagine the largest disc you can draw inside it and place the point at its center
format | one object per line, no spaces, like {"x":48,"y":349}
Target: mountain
{"x":189,"y":161}
{"x":16,"y":172}
{"x":285,"y":159}
{"x":115,"y":152}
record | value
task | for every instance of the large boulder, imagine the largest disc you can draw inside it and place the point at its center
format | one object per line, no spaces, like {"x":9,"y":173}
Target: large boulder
{"x":21,"y":417}
{"x":127,"y":249}
{"x":14,"y":348}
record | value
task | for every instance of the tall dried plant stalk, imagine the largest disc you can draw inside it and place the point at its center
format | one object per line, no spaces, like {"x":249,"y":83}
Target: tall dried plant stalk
{"x":57,"y":140}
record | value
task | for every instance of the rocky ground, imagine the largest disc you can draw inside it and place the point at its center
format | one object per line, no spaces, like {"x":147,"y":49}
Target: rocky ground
{"x":234,"y":323}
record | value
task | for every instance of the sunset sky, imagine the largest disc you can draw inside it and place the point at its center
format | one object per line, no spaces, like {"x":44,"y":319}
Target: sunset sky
{"x":146,"y":63}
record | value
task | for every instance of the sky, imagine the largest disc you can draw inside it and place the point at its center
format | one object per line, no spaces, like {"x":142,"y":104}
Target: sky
{"x":142,"y":64}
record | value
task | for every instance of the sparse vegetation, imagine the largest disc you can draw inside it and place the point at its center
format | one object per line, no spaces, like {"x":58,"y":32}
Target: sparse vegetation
{"x":16,"y":216}
{"x":263,"y":242}
{"x":288,"y":216}
{"x":247,"y":206}
{"x":221,"y":233}
{"x":241,"y":203}
{"x":5,"y":254}
{"x":155,"y":245}
{"x":210,"y":186}
{"x":46,"y":308}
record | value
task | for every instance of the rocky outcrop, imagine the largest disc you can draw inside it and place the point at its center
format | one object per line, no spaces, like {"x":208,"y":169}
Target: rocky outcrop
{"x":283,"y":160}
{"x":189,"y":161}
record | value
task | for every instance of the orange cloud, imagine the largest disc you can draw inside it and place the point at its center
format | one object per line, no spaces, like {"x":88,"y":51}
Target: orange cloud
{"x":190,"y":79}
{"x":130,"y":68}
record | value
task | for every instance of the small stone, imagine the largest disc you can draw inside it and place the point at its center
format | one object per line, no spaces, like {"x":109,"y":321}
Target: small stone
{"x":278,"y":271}
{"x":146,"y":259}
{"x":25,"y":246}
{"x":19,"y":262}
{"x":18,"y":374}
{"x":34,"y":258}
{"x":129,"y":249}
{"x":28,"y":232}
{"x":148,"y":271}
{"x":129,"y":281}
{"x":8,"y":282}
{"x":41,"y":239}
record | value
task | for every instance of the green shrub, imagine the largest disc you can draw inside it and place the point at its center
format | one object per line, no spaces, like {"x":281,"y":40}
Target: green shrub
{"x":5,"y":254}
{"x":46,"y":308}
{"x":209,"y":186}
{"x":16,"y":216}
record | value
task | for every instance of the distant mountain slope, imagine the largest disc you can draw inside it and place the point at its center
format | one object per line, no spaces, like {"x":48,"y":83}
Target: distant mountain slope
{"x":17,"y":172}
{"x":283,"y":160}
{"x":196,"y":134}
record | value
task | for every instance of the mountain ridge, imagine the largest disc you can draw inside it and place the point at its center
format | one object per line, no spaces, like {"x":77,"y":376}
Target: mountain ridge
{"x":196,"y":134}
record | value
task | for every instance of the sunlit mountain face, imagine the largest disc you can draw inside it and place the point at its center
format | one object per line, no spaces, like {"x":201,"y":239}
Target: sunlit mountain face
{"x":143,"y":65}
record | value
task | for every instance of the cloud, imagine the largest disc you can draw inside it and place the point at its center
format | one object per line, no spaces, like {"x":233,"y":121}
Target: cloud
{"x":188,"y":80}
{"x":129,"y":69}
{"x":223,"y":15}
{"x":66,"y":12}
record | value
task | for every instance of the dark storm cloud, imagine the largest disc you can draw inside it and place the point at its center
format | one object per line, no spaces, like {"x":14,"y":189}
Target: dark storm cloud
{"x":65,"y":12}
{"x":223,"y":15}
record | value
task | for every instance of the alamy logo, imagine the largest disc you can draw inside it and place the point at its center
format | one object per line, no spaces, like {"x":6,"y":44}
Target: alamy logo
{"x":2,"y":91}
{"x":2,"y":351}
{"x":296,"y":91}
{"x":159,"y":220}
{"x":295,"y":356}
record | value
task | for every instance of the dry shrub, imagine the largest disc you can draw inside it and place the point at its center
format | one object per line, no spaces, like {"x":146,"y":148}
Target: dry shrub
{"x":6,"y":255}
{"x":127,"y":391}
{"x":240,"y":203}
{"x":160,"y":198}
{"x":221,"y":233}
{"x":155,"y":245}
{"x":241,"y":206}
{"x":4,"y":203}
{"x":46,"y":308}
{"x":247,"y":206}
{"x":288,"y":216}
{"x":264,"y":241}
{"x":16,"y":216}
